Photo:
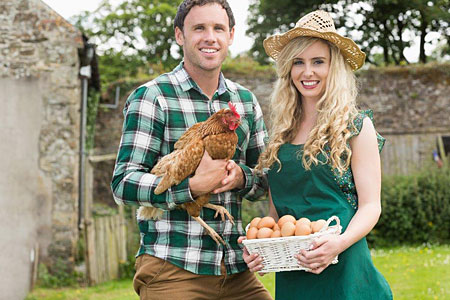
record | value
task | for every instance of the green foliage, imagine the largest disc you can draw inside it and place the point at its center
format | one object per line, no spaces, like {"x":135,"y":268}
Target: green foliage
{"x":91,"y":117}
{"x":116,"y":65}
{"x":386,"y":25}
{"x":126,"y":268}
{"x":142,"y":30}
{"x":416,"y":209}
{"x":60,"y":275}
{"x":254,"y":209}
{"x":267,"y":17}
{"x":245,"y":65}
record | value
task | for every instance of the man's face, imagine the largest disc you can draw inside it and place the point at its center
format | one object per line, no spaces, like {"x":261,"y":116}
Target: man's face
{"x":205,"y":38}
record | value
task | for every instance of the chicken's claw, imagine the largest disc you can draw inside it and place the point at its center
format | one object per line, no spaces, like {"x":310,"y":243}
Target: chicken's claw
{"x":220,"y":210}
{"x":212,"y":233}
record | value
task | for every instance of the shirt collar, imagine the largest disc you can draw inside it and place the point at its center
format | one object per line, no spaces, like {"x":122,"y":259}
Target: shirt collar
{"x":186,"y":82}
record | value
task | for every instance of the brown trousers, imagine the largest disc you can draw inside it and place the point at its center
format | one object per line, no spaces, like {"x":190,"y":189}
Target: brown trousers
{"x":157,"y":279}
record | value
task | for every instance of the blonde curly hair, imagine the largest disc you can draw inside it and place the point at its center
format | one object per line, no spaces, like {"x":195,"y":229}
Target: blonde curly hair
{"x":336,"y":108}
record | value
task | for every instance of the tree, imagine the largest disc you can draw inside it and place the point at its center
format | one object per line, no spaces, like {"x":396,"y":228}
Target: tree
{"x":139,"y":32}
{"x":433,"y":16}
{"x":386,"y":23}
{"x":373,"y":24}
{"x":268,"y":17}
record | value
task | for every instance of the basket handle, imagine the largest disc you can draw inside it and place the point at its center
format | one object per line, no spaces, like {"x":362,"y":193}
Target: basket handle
{"x":331,"y":219}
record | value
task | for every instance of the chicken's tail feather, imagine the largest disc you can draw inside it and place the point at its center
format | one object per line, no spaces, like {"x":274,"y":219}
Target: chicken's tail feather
{"x":149,"y":213}
{"x":166,"y":182}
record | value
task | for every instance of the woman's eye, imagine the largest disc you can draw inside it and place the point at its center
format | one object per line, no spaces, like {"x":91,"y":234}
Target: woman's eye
{"x":298,"y":62}
{"x":318,"y":62}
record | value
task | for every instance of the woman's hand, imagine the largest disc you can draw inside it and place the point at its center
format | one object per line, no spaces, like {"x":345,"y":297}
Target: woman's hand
{"x":324,"y":250}
{"x":254,"y":262}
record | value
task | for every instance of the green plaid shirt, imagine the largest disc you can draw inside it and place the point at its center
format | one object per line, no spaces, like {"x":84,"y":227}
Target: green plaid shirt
{"x":156,"y":115}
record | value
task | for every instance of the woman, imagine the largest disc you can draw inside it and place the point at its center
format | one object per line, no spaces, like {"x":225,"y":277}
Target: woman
{"x":323,"y":160}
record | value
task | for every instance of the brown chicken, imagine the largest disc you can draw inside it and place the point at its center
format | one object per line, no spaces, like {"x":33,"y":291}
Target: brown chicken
{"x":217,"y":136}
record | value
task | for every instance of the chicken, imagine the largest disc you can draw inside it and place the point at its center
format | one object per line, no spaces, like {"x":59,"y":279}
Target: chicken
{"x":217,"y":136}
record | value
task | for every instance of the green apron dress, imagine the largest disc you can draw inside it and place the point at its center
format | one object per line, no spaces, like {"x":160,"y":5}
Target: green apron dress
{"x":319,"y":194}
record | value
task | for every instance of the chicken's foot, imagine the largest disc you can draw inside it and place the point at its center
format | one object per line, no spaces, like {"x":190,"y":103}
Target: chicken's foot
{"x":220,"y":210}
{"x":215,"y":236}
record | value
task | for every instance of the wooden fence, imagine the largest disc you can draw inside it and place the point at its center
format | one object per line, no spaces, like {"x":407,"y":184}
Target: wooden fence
{"x":105,"y":236}
{"x":407,"y":153}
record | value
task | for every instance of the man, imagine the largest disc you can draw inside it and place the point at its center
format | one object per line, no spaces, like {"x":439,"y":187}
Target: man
{"x":177,"y":260}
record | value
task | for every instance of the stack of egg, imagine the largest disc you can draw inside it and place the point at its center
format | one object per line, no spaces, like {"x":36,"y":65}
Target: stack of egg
{"x":261,"y":228}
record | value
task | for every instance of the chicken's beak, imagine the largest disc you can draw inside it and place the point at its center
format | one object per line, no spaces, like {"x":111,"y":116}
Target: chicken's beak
{"x":233,"y":125}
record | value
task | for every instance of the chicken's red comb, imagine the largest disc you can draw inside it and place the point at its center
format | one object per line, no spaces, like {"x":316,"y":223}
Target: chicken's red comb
{"x":233,"y":109}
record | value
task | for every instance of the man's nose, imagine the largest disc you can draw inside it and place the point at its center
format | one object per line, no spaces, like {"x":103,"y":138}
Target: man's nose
{"x":210,"y":36}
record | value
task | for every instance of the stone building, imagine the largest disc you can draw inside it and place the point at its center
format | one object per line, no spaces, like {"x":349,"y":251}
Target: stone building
{"x":40,"y":99}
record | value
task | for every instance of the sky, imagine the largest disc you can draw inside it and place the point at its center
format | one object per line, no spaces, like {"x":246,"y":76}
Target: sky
{"x":241,"y":42}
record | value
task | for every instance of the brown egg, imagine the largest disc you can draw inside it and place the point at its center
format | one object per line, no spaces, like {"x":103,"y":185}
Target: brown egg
{"x":276,"y":227}
{"x":264,"y":232}
{"x":304,"y":221}
{"x":251,"y":233}
{"x":286,"y":218}
{"x":317,"y":225}
{"x":302,"y":229}
{"x":288,"y":229}
{"x":275,"y":234}
{"x":255,"y":221}
{"x":267,"y":222}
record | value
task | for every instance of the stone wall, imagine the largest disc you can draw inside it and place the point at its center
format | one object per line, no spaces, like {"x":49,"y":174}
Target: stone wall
{"x":40,"y":90}
{"x":411,"y":107}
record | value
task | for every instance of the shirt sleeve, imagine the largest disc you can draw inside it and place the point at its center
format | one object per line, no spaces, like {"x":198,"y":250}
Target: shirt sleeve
{"x":140,"y":144}
{"x":255,"y":186}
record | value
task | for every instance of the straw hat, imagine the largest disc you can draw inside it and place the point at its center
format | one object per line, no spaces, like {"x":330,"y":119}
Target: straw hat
{"x":316,"y":24}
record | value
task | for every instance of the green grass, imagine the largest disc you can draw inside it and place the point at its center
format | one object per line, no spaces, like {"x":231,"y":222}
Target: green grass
{"x":412,"y":272}
{"x":416,"y":273}
{"x":112,"y":290}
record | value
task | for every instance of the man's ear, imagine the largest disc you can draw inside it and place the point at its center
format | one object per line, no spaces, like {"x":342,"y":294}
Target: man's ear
{"x":179,"y":36}
{"x":231,"y":36}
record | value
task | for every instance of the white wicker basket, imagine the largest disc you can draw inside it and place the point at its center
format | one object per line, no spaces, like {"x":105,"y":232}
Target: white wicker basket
{"x":278,"y":253}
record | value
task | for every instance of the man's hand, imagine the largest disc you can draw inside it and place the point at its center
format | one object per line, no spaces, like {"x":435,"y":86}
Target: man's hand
{"x":234,"y":179}
{"x":208,"y":176}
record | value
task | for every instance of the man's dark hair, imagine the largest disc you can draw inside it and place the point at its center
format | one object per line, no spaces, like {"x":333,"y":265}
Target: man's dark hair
{"x":186,"y":6}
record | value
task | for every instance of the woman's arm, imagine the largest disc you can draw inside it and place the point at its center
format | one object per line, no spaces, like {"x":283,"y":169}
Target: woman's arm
{"x":365,"y":164}
{"x":366,"y":168}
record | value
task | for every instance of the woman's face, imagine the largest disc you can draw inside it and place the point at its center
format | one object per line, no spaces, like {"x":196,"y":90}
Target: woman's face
{"x":310,"y":70}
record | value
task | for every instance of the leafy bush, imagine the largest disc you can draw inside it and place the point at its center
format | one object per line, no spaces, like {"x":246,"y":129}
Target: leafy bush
{"x":254,"y":209}
{"x":126,"y":268}
{"x":244,"y":65}
{"x":60,"y":275}
{"x":415,"y":209}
